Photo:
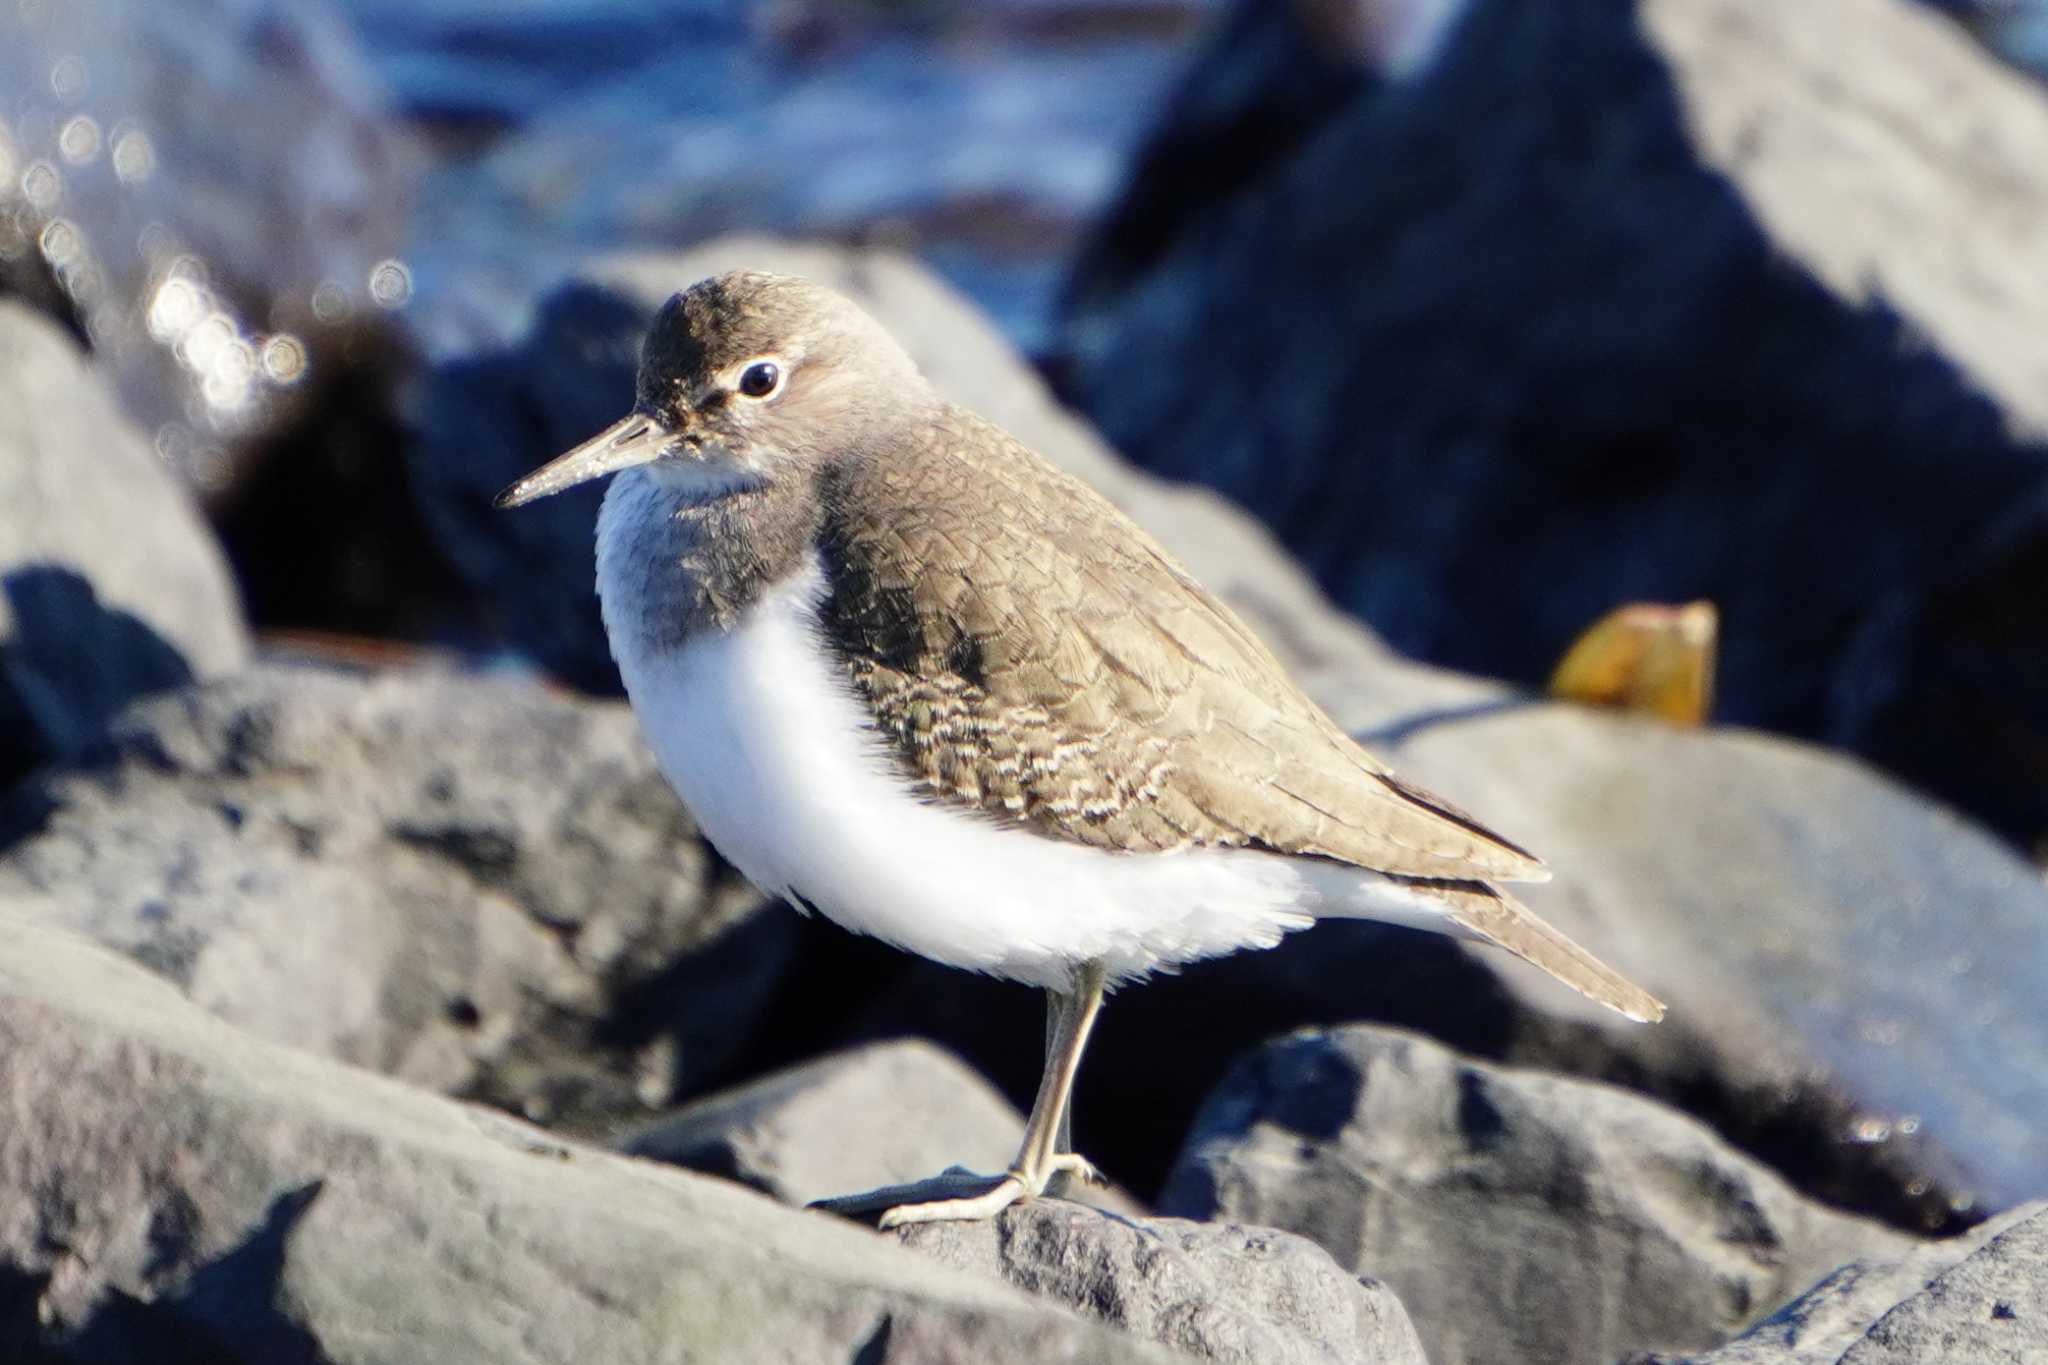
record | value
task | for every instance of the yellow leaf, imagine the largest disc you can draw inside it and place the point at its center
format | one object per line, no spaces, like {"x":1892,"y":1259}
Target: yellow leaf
{"x":1645,"y":657}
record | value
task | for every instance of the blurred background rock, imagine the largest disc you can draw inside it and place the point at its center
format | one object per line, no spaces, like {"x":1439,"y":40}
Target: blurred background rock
{"x":1487,"y":320}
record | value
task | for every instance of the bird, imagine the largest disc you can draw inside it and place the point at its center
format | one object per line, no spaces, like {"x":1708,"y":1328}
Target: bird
{"x":907,"y":674}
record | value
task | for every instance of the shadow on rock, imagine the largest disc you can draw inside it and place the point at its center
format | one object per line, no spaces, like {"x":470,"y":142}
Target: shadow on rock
{"x":68,"y":663}
{"x":482,"y":421}
{"x":234,"y":1308}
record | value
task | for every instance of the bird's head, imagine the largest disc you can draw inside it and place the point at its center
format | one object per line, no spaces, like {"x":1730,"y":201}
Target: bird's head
{"x":744,"y":377}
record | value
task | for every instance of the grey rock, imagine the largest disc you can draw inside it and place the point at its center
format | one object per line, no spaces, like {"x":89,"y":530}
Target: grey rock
{"x":1519,"y":1216}
{"x":177,"y":1189}
{"x":1819,"y":1326}
{"x":886,"y":1114}
{"x":872,"y":1119}
{"x":1490,"y":319}
{"x":111,"y":586}
{"x":1992,"y":1308}
{"x":464,"y":882}
{"x":1837,"y":952}
{"x":202,"y":179}
{"x":1221,"y":1293}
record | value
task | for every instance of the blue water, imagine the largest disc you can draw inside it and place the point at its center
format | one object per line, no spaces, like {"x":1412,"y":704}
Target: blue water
{"x":984,"y":138}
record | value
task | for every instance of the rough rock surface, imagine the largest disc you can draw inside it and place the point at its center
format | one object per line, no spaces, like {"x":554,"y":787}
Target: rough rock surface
{"x":1661,"y":301}
{"x":1977,"y":1297}
{"x":1520,"y":1216}
{"x":174,"y":1189}
{"x":465,"y":882}
{"x":110,"y":584}
{"x":1221,"y":1293}
{"x":1992,"y":1307}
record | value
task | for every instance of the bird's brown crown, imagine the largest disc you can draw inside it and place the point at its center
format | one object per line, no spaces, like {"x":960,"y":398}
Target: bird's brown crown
{"x":827,"y":356}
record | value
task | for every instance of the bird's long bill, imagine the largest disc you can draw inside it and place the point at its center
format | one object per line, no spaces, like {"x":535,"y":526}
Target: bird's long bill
{"x":634,"y":439}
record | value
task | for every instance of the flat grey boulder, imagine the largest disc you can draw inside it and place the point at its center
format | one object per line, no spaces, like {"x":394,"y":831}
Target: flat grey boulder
{"x":172,"y":1188}
{"x":872,"y":1118}
{"x":111,"y":585}
{"x":466,"y":882}
{"x":1519,"y":1216}
{"x":1251,"y":1296}
{"x":1979,"y":1298}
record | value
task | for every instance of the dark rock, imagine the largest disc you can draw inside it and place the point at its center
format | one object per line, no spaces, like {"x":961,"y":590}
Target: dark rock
{"x":1519,"y":1216}
{"x":461,"y":881}
{"x":1220,"y":1293}
{"x":1258,"y":87}
{"x":1611,"y":303}
{"x":215,"y":188}
{"x":1961,"y":1299}
{"x":110,"y":584}
{"x":178,"y":1190}
{"x":2016,"y":30}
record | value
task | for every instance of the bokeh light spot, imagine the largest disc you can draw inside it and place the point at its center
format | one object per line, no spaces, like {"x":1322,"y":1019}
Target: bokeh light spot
{"x":80,"y":139}
{"x":330,"y":302}
{"x":134,"y":155}
{"x":390,"y":284}
{"x":60,"y":242}
{"x":284,"y":359}
{"x":67,"y":78}
{"x":41,"y":184}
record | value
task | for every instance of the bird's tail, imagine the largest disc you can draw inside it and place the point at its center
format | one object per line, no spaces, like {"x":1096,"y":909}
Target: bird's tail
{"x":1493,"y":916}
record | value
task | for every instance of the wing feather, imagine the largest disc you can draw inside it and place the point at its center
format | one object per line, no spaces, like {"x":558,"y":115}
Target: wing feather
{"x":1056,"y":667}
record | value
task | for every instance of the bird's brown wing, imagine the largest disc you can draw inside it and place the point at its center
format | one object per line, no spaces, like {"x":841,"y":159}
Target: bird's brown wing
{"x":1032,"y":654}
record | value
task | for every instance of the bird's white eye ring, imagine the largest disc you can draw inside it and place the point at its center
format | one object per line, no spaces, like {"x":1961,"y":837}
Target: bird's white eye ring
{"x":762,"y":379}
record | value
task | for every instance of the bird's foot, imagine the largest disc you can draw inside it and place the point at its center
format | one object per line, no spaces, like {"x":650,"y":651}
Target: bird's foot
{"x":1006,"y":1191}
{"x":1075,"y":1165}
{"x":1011,"y":1187}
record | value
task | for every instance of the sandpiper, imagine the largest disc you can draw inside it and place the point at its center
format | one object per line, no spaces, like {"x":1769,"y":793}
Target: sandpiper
{"x":906,"y":673}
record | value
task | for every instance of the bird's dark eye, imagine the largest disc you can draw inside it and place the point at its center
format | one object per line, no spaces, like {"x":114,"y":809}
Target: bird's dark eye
{"x":760,"y":379}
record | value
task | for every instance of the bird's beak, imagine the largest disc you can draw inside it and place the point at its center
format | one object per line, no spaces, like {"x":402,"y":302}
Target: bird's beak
{"x":635,"y":439}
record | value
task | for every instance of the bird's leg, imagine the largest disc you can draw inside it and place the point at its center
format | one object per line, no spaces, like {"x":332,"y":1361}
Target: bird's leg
{"x":1063,"y":1136}
{"x":1071,"y":1016}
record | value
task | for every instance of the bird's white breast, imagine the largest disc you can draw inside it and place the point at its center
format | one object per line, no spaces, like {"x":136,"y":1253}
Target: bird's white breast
{"x":765,"y":741}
